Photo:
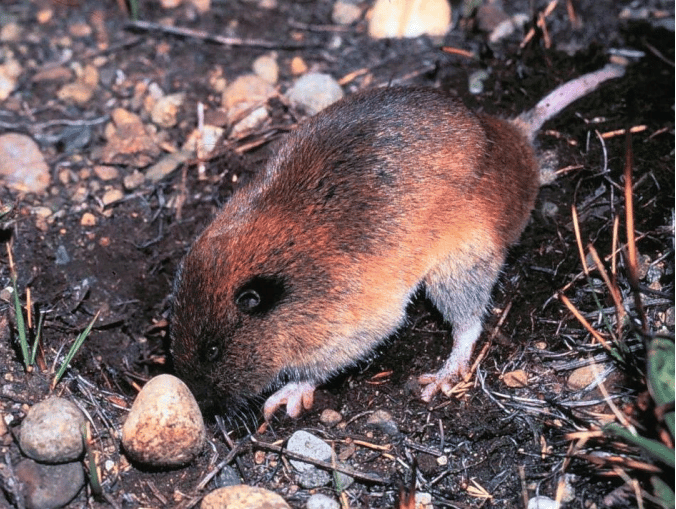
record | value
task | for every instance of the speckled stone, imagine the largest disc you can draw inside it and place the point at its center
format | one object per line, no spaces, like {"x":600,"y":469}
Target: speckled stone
{"x":243,"y":497}
{"x":165,"y":425}
{"x":49,"y":486}
{"x":52,"y":431}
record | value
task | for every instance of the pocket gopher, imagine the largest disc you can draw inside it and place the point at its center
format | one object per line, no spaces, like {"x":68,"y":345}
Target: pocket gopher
{"x":311,"y":265}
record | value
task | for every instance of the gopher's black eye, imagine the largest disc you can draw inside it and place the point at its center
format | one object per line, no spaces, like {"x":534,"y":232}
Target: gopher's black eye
{"x":212,"y":352}
{"x":260,"y":294}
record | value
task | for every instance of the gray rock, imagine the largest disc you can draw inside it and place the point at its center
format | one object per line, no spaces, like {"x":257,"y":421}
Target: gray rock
{"x":314,"y":92}
{"x":542,"y":503}
{"x":49,"y":486}
{"x":228,"y":476}
{"x":476,"y":81}
{"x":61,"y":256}
{"x":73,"y":138}
{"x":383,"y":421}
{"x":52,"y":431}
{"x":320,"y":501}
{"x":309,"y":476}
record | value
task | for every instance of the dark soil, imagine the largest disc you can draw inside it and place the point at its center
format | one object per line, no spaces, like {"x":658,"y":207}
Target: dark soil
{"x":510,"y":441}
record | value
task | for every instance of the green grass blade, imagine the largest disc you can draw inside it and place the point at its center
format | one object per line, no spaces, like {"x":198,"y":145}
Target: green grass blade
{"x":34,"y":350}
{"x":660,"y":375}
{"x":73,"y":350}
{"x":652,"y":447}
{"x":663,"y":493}
{"x":21,"y":326}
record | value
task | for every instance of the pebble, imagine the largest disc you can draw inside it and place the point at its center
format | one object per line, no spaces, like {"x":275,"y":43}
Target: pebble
{"x":49,"y":486}
{"x":489,"y":16}
{"x":549,"y":209}
{"x":251,"y":121}
{"x":105,"y":172}
{"x":44,"y":15}
{"x":330,"y":417}
{"x":643,"y":265}
{"x":423,"y":500}
{"x":5,"y":435}
{"x":7,"y":85}
{"x":568,"y":491}
{"x":307,"y":444}
{"x":61,"y":256}
{"x":542,"y":503}
{"x":166,"y":165}
{"x":79,"y":93}
{"x":164,"y":426}
{"x":228,"y":476}
{"x":9,"y":75}
{"x":584,"y":376}
{"x":345,"y":12}
{"x":80,"y":30}
{"x":165,"y":111}
{"x":41,"y":212}
{"x":244,"y":93}
{"x":402,"y":18}
{"x":203,"y":141}
{"x":516,"y":379}
{"x":52,"y":431}
{"x":201,"y":5}
{"x":128,"y":141}
{"x":111,"y":196}
{"x":321,"y":501}
{"x":298,"y":66}
{"x":88,"y":219}
{"x":502,"y":31}
{"x":243,"y":497}
{"x":384,"y":421}
{"x":22,"y":166}
{"x":73,"y":138}
{"x":476,"y":81}
{"x":81,"y":90}
{"x":56,"y":74}
{"x":89,"y":76}
{"x":10,"y":32}
{"x":267,"y":68}
{"x":80,"y":194}
{"x":134,"y":180}
{"x":314,"y":91}
{"x":6,"y":296}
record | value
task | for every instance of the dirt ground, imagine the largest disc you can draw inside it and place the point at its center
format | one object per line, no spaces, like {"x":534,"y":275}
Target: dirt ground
{"x":508,"y":440}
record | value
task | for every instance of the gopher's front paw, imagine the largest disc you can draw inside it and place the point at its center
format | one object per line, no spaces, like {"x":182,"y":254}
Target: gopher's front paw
{"x":297,"y":396}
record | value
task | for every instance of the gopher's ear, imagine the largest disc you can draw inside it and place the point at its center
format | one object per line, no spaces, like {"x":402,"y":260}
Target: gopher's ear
{"x":261,"y":294}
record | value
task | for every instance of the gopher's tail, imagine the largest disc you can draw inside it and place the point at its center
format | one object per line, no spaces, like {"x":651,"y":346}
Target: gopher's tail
{"x":532,"y":120}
